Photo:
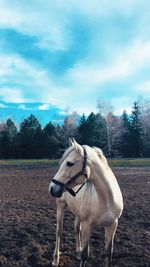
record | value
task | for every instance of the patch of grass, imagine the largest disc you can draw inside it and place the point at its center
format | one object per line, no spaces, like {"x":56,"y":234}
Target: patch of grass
{"x":30,"y":162}
{"x":140,"y":162}
{"x":145,"y":162}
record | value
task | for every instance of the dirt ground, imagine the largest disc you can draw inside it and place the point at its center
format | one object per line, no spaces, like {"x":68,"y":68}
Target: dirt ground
{"x":27,"y":222}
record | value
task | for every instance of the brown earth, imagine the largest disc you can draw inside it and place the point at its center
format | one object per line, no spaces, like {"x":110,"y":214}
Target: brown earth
{"x":28,"y":221}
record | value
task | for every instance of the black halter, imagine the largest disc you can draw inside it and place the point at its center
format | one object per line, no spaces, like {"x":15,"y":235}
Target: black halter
{"x":73,"y":178}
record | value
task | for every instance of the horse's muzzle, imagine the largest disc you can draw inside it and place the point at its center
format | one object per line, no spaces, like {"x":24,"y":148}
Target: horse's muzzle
{"x":56,"y":190}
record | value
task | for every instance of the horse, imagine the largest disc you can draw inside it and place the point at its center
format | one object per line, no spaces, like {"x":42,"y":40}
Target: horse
{"x":86,"y":183}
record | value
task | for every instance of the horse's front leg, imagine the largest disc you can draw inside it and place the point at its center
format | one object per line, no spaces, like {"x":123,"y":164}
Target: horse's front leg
{"x":85,"y":239}
{"x":77,"y":227}
{"x":109,"y":240}
{"x":59,"y":220}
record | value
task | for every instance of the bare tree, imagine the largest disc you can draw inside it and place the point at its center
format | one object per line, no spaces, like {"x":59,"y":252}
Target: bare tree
{"x":70,"y":126}
{"x":105,"y":108}
{"x":115,"y":126}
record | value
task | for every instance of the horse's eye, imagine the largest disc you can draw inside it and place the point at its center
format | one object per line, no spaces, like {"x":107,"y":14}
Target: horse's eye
{"x":70,"y":164}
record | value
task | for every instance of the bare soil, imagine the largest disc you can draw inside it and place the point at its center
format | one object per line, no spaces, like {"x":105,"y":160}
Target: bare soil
{"x":27,"y":224}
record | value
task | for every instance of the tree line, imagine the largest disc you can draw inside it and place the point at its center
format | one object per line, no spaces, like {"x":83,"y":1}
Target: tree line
{"x":118,"y":136}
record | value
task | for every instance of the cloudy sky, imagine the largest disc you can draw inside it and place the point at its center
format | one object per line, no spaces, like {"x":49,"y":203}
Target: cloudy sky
{"x":65,"y":54}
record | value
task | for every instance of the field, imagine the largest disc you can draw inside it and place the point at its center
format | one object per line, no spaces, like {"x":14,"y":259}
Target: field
{"x":28,"y":218}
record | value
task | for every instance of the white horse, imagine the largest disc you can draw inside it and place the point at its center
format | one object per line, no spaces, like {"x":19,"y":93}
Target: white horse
{"x":96,"y":202}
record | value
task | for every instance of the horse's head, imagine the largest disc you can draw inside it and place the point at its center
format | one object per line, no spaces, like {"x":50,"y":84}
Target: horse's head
{"x":73,"y":170}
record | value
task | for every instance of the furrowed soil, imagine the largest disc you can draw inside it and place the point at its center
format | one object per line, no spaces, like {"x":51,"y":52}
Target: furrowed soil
{"x":28,"y":223}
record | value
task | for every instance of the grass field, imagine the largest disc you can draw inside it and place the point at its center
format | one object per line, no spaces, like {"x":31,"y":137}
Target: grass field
{"x":54,"y":162}
{"x":30,"y":162}
{"x":140,"y":162}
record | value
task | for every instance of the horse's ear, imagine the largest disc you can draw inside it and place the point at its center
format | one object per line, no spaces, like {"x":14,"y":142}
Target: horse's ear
{"x":76,"y":145}
{"x":71,"y":142}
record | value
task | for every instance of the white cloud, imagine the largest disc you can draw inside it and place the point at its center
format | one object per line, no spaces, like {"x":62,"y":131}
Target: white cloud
{"x":42,"y":20}
{"x":11,"y":95}
{"x":9,"y":17}
{"x":143,"y":87}
{"x":29,"y":83}
{"x":3,"y":105}
{"x":135,"y":57}
{"x":51,"y":22}
{"x":23,"y":107}
{"x":39,"y":85}
{"x":44,"y":107}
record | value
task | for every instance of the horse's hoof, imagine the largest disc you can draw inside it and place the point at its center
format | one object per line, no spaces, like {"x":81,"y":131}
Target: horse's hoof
{"x":78,"y":255}
{"x":55,"y":264}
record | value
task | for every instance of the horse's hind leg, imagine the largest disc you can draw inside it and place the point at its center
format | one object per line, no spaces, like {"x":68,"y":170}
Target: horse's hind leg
{"x":77,"y":227}
{"x":59,"y":218}
{"x":109,"y":240}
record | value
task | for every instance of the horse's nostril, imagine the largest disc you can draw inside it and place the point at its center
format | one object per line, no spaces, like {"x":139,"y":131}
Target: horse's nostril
{"x":51,"y":190}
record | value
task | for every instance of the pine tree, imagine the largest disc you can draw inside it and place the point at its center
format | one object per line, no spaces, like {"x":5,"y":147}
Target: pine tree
{"x":100,"y":132}
{"x":131,"y":138}
{"x":125,"y":139}
{"x":30,"y":138}
{"x":50,"y":142}
{"x":92,"y":130}
{"x":145,"y":120}
{"x":8,"y":140}
{"x":136,"y":131}
{"x":82,"y":130}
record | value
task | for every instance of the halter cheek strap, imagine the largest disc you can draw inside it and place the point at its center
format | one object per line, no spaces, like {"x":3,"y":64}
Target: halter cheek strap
{"x":73,"y":178}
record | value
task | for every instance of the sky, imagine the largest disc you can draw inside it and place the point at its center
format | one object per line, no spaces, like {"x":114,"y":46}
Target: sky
{"x":57,"y":57}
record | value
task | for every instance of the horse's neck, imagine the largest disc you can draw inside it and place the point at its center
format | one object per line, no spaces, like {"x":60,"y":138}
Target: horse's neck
{"x":104,"y":181}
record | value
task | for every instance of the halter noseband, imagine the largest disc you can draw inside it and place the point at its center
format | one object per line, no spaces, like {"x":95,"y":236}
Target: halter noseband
{"x":73,"y":178}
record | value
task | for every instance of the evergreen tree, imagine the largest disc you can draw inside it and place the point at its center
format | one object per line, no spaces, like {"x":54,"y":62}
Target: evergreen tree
{"x":50,"y":142}
{"x":125,"y":139}
{"x":8,"y":140}
{"x":129,"y":134}
{"x":100,"y":132}
{"x":136,"y":131}
{"x":125,"y":119}
{"x":82,"y":129}
{"x":86,"y":129}
{"x":62,"y":141}
{"x":92,"y":131}
{"x":131,"y":139}
{"x":145,"y":120}
{"x":30,"y":138}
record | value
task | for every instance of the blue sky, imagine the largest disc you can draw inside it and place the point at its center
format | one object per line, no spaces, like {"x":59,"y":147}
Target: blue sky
{"x":64,"y":55}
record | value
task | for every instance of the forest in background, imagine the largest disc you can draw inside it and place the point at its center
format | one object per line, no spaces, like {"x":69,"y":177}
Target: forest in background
{"x":125,"y":136}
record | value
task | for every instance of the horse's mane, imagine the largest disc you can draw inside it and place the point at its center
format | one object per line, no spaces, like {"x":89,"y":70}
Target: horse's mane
{"x":100,"y":155}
